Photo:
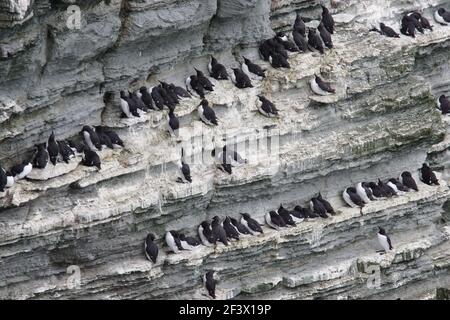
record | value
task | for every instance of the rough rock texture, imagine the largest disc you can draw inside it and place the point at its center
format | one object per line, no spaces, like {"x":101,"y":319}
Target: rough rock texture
{"x":382,"y":120}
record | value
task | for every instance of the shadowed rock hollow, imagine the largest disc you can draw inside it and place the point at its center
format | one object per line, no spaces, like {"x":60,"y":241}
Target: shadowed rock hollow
{"x":381,"y":121}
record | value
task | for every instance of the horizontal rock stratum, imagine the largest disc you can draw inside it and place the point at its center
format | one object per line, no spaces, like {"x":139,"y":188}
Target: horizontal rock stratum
{"x":71,"y":221}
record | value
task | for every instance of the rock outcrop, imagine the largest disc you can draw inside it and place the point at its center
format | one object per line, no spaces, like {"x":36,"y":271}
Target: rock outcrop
{"x":69,"y":222}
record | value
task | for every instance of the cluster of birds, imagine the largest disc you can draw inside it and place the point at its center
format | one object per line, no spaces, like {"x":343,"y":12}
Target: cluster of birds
{"x":276,"y":50}
{"x":94,"y":139}
{"x":414,"y":21}
{"x":231,"y":229}
{"x":365,"y":192}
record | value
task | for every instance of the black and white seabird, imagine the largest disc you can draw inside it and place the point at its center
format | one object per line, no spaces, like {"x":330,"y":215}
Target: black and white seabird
{"x":150,"y":248}
{"x":326,"y":204}
{"x":20,"y":171}
{"x":218,"y":231}
{"x":188,"y":243}
{"x":210,"y":283}
{"x":240,"y":79}
{"x":424,"y":23}
{"x":184,"y":175}
{"x":65,"y":151}
{"x":300,"y":41}
{"x":173,"y":241}
{"x":278,"y":61}
{"x":364,"y":192}
{"x":444,"y":104}
{"x":388,"y":31}
{"x":317,"y":207}
{"x":408,"y":27}
{"x":41,"y":157}
{"x":299,"y":25}
{"x":376,"y":191}
{"x":193,"y":86}
{"x":286,"y":43}
{"x":274,"y":220}
{"x":388,"y":191}
{"x":442,"y":16}
{"x":325,"y":35}
{"x":204,"y":81}
{"x":169,"y":100}
{"x":222,"y":161}
{"x":265,"y":50}
{"x":230,"y":229}
{"x":91,"y":138}
{"x":327,"y":19}
{"x":146,"y":98}
{"x":170,"y":97}
{"x":77,"y":147}
{"x":206,"y":235}
{"x":384,"y":240}
{"x":179,"y":91}
{"x":173,"y":124}
{"x":217,"y":70}
{"x":398,"y":187}
{"x":428,"y":176}
{"x":207,"y":114}
{"x":250,"y":68}
{"x":314,"y":41}
{"x":105,"y":140}
{"x":91,"y":159}
{"x":352,"y":198}
{"x":52,"y":149}
{"x":276,"y":47}
{"x":251,"y":223}
{"x":113,"y":136}
{"x":320,"y":87}
{"x":157,"y":97}
{"x":266,"y":107}
{"x":233,"y":157}
{"x":128,"y":106}
{"x":302,"y":213}
{"x":138,"y":101}
{"x":407,"y":180}
{"x":240,"y":227}
{"x":286,"y":216}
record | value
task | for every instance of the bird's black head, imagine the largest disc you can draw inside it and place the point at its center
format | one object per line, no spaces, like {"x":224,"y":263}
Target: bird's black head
{"x":245,"y":215}
{"x":441,"y":11}
{"x":205,"y":224}
{"x":216,"y":218}
{"x":381,"y":231}
{"x":213,"y":60}
{"x":272,"y":213}
{"x":281,"y":206}
{"x":142,"y":89}
{"x":174,"y":233}
{"x":382,"y":25}
{"x":204,"y":102}
{"x":151,"y":237}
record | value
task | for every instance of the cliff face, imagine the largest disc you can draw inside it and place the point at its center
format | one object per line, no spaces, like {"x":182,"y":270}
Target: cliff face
{"x":383,"y":120}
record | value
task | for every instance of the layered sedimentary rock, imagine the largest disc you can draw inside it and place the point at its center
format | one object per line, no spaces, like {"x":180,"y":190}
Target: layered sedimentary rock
{"x":72,"y":222}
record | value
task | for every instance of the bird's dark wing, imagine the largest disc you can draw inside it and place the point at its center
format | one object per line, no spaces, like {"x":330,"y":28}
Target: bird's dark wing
{"x":325,"y":86}
{"x":389,"y":242}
